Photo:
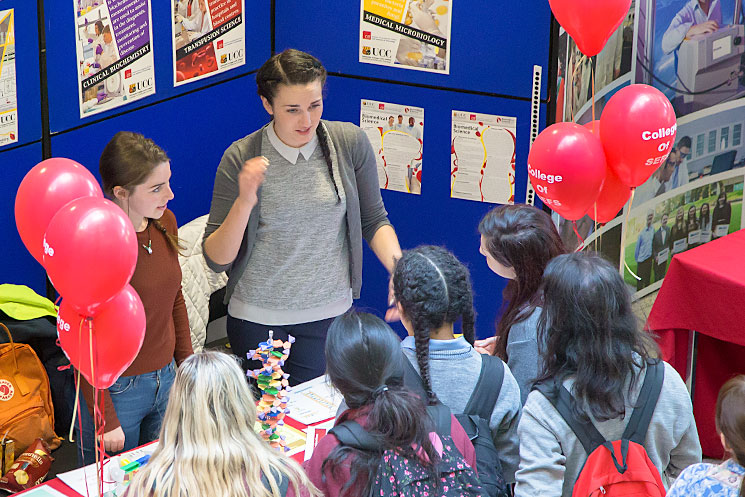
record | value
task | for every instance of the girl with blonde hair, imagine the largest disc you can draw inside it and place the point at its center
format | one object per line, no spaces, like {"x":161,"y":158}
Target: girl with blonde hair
{"x":207,"y":442}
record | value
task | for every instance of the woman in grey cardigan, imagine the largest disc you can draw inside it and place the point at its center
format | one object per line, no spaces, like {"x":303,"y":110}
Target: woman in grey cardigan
{"x":591,"y":344}
{"x":290,"y":207}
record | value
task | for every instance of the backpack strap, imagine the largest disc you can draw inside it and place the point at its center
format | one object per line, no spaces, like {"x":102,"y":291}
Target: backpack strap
{"x":352,"y":434}
{"x":283,"y":483}
{"x":636,"y":429}
{"x":485,"y":394}
{"x":412,"y":380}
{"x":441,"y":415}
{"x":562,"y":400}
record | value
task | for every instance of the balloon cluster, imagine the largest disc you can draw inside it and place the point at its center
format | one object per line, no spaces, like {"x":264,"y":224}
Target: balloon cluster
{"x":274,"y":386}
{"x":592,"y":170}
{"x":88,"y":247}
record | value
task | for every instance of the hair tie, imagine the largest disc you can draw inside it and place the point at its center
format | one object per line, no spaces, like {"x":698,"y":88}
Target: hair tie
{"x":378,"y":391}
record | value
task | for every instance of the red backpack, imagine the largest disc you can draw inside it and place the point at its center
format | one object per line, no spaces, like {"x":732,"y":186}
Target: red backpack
{"x":621,"y":467}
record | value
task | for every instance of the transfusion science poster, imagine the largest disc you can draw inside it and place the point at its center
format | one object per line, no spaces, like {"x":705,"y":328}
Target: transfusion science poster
{"x":410,"y":34}
{"x":8,"y":98}
{"x":208,"y":38}
{"x":396,"y":134}
{"x":482,"y":165}
{"x":114,"y":53}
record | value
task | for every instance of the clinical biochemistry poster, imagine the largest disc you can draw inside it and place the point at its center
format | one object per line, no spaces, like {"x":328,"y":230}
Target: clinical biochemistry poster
{"x":410,"y":34}
{"x":8,"y":100}
{"x":482,"y":161}
{"x":396,"y":134}
{"x":208,"y":38}
{"x":114,"y":53}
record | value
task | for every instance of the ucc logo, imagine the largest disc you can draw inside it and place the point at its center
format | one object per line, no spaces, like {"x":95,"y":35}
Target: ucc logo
{"x":237,"y":55}
{"x":7,"y":118}
{"x":140,"y":85}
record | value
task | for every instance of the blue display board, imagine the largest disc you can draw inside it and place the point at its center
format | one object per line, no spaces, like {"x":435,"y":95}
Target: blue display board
{"x":61,"y":60}
{"x":27,"y":71}
{"x":194,"y":131}
{"x":493,"y":45}
{"x":19,"y":267}
{"x":433,"y":217}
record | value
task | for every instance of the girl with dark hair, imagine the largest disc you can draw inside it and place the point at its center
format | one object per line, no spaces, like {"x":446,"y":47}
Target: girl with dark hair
{"x":518,"y":241}
{"x":291,"y":205}
{"x":704,"y":217}
{"x":591,"y":344}
{"x":135,"y":173}
{"x":432,"y":289}
{"x":722,"y":214}
{"x":725,"y":479}
{"x":365,"y":363}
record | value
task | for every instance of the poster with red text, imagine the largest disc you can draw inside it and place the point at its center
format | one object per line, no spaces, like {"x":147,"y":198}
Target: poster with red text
{"x":208,"y":38}
{"x":114,"y":53}
{"x":396,"y":134}
{"x":482,"y":157}
{"x":8,"y":99}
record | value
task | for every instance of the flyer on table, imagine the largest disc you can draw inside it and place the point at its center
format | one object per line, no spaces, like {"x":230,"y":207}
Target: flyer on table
{"x":8,"y":100}
{"x":114,"y":53}
{"x":482,"y":161}
{"x":208,"y":38}
{"x":395,"y":132}
{"x":410,"y":34}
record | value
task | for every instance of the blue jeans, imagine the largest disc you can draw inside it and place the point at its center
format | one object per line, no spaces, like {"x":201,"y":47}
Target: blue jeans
{"x":140,"y":403}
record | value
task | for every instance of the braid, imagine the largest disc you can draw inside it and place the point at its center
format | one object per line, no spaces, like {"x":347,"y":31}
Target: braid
{"x":421,"y":339}
{"x":323,"y":141}
{"x":172,"y":239}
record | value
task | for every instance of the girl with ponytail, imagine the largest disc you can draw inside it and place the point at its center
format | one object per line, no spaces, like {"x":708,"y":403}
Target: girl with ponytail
{"x":432,"y":289}
{"x":291,"y":205}
{"x":364,"y":362}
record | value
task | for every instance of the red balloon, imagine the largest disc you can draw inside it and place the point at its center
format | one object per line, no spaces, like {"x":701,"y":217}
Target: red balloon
{"x":567,"y":167}
{"x":613,"y":196}
{"x":590,"y":22}
{"x":43,"y":191}
{"x":117,"y":334}
{"x":90,"y":252}
{"x":639,"y":128}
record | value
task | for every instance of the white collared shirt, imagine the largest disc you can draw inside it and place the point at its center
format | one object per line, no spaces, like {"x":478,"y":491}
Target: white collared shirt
{"x":288,"y":152}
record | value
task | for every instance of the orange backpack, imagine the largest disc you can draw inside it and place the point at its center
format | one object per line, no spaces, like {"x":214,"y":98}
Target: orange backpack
{"x":619,"y":467}
{"x":26,"y":411}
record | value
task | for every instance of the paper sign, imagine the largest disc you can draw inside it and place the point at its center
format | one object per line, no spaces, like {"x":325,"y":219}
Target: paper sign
{"x":721,"y":230}
{"x":680,"y":246}
{"x":662,"y":256}
{"x":314,"y":401}
{"x":705,"y":236}
{"x":694,"y":237}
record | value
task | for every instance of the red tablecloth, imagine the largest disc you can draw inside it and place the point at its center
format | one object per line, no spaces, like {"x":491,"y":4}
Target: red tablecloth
{"x":704,"y":290}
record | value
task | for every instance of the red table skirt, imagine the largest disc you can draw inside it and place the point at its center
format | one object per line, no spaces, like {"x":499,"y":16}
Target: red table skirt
{"x":716,"y":362}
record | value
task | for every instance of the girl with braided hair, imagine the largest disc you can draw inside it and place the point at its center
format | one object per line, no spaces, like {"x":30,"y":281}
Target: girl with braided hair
{"x":364,"y":362}
{"x":291,"y":205}
{"x":432,"y":289}
{"x":135,"y":173}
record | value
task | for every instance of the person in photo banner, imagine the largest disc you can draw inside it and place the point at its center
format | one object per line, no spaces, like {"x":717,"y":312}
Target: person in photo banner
{"x":643,"y":253}
{"x":106,"y":51}
{"x":697,"y":17}
{"x":722,"y":211}
{"x":200,"y":20}
{"x":661,"y":248}
{"x":135,"y":173}
{"x":291,"y":205}
{"x":679,"y":233}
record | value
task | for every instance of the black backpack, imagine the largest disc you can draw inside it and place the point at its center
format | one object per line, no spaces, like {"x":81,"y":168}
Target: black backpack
{"x":475,"y":421}
{"x":282,"y":482}
{"x":397,"y":475}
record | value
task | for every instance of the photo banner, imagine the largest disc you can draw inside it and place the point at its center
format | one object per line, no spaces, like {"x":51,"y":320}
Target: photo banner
{"x":208,"y":38}
{"x":409,"y":34}
{"x":114,"y":53}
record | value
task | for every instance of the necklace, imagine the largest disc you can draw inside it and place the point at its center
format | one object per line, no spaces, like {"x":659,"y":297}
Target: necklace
{"x":149,"y":246}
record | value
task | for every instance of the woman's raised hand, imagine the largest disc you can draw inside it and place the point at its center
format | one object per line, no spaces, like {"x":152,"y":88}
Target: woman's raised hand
{"x":250,"y":179}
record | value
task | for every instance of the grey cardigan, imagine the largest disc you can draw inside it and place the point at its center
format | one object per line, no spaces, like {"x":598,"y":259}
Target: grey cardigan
{"x":359,"y":176}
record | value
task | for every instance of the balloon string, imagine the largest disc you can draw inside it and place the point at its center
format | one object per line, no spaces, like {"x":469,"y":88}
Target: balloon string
{"x":574,"y":73}
{"x":592,"y":73}
{"x":623,"y":241}
{"x":595,"y":206}
{"x":582,"y":240}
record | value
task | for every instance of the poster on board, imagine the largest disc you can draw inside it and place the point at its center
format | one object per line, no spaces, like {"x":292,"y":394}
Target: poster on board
{"x":482,"y":163}
{"x":208,"y":38}
{"x":396,"y":134}
{"x":114,"y":53}
{"x":8,"y":99}
{"x":409,"y":34}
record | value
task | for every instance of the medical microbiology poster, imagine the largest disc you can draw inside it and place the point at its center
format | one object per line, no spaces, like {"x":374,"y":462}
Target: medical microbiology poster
{"x":482,"y":161}
{"x":410,"y":34}
{"x":208,"y":38}
{"x":8,"y":100}
{"x":395,"y":132}
{"x":114,"y":53}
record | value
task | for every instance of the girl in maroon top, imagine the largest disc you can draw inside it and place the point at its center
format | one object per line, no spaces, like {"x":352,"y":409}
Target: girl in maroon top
{"x":135,"y":173}
{"x":364,"y":362}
